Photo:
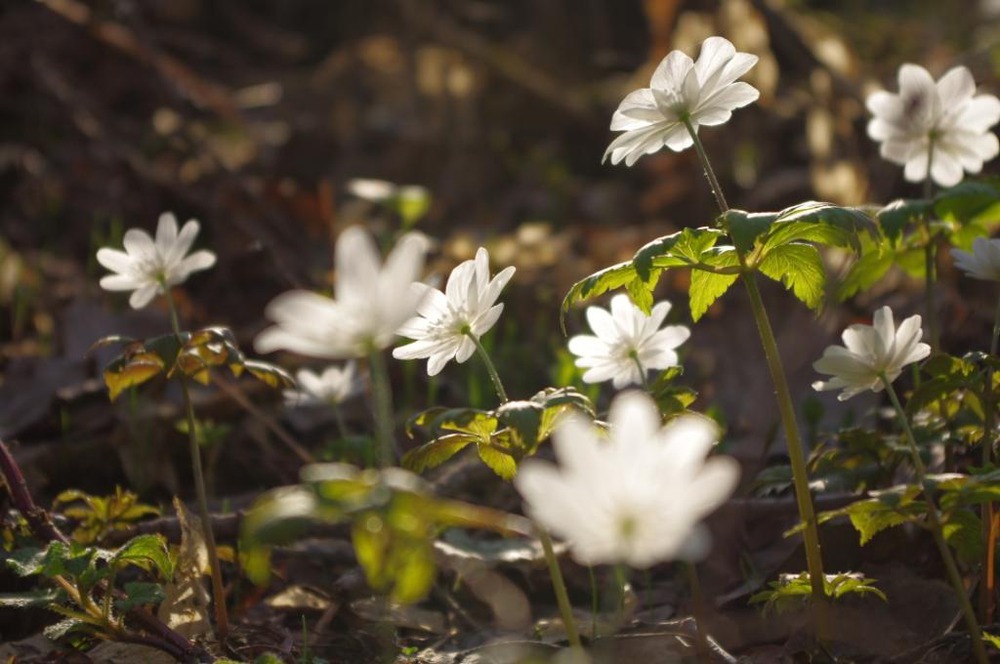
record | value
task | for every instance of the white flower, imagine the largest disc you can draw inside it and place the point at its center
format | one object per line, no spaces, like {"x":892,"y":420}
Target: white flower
{"x":445,"y":320}
{"x":946,"y":113}
{"x":626,"y":339}
{"x":149,"y":267}
{"x":983,"y":262}
{"x":382,"y":191}
{"x":334,"y":386}
{"x":372,"y":301}
{"x":703,"y":93}
{"x":869,"y":353}
{"x":635,"y":498}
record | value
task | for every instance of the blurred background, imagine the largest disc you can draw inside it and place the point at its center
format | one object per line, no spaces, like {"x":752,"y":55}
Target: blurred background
{"x":253,"y":115}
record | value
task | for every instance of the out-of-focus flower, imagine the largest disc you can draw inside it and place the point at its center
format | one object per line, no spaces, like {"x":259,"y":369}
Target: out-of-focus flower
{"x":627,"y":343}
{"x":869,"y":353}
{"x":335,"y":385}
{"x":371,"y":301}
{"x":702,"y":93}
{"x":983,"y":262}
{"x":947,"y":115}
{"x":635,"y":498}
{"x":149,"y":267}
{"x":441,"y":330}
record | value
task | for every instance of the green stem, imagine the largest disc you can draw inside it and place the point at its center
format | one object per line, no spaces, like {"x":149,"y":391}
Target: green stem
{"x":934,"y":522}
{"x":707,"y":166}
{"x":701,"y":628}
{"x":642,"y":372}
{"x":385,"y":445}
{"x":594,"y":602}
{"x":786,"y":408}
{"x":559,"y":585}
{"x":930,"y":260}
{"x":490,"y":367}
{"x":218,"y":590}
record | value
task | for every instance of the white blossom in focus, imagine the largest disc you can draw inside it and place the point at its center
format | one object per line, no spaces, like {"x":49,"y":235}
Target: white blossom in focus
{"x":983,"y":262}
{"x":445,"y":320}
{"x":947,"y":113}
{"x":637,"y":497}
{"x":704,"y":93}
{"x":147,"y":266}
{"x":625,"y":339}
{"x":371,"y":301}
{"x":335,"y":385}
{"x":869,"y":352}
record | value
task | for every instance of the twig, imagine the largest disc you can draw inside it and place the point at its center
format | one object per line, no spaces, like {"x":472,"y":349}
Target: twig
{"x":160,"y":635}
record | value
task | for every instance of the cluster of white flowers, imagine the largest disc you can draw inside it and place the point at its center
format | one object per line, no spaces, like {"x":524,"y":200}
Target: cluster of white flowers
{"x":637,"y":493}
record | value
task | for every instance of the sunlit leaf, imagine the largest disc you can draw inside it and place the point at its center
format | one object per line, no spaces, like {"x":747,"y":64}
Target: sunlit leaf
{"x":29,"y":599}
{"x":799,"y":267}
{"x":869,"y":268}
{"x":434,"y":453}
{"x":129,"y":371}
{"x":900,"y":215}
{"x":271,"y":375}
{"x":822,"y":223}
{"x":599,"y":283}
{"x":143,"y":551}
{"x":138,"y":593}
{"x":961,"y":529}
{"x":970,"y":201}
{"x":501,"y":463}
{"x":706,"y":287}
{"x":745,"y":227}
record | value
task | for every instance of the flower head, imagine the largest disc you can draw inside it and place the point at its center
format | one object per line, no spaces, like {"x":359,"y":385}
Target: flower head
{"x":372,"y":301}
{"x":446,"y":321}
{"x":944,"y":125}
{"x":870,"y":354}
{"x":701,"y":93}
{"x":983,"y":262}
{"x":627,"y":343}
{"x":147,"y":266}
{"x":635,"y":498}
{"x":331,"y":387}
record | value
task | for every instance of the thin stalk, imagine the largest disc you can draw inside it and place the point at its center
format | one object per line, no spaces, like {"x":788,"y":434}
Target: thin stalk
{"x":707,"y":166}
{"x":218,"y":591}
{"x":490,"y":367}
{"x":930,"y":260}
{"x":642,"y":371}
{"x":594,"y":602}
{"x":698,"y":600}
{"x":786,"y":408}
{"x":934,"y":521}
{"x":987,"y":587}
{"x":385,"y":445}
{"x":559,"y":586}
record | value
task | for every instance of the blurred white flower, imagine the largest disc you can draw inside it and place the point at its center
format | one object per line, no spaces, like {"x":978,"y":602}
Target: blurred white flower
{"x":380,"y":191}
{"x":869,"y":353}
{"x":983,"y":262}
{"x":372,"y":301}
{"x":445,"y":320}
{"x":635,"y":498}
{"x":626,"y":339}
{"x":703,"y":93}
{"x":948,"y":114}
{"x":147,"y":266}
{"x":333,"y":386}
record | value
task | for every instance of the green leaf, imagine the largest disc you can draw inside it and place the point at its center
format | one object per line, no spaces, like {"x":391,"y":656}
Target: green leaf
{"x":961,"y":529}
{"x":270,"y":374}
{"x":888,"y":508}
{"x":968,"y":201}
{"x":871,"y":266}
{"x":140,"y":594}
{"x":143,"y":551}
{"x":436,"y":452}
{"x":745,"y":227}
{"x":706,"y":287}
{"x":524,"y":419}
{"x":64,"y":627}
{"x":681,"y":249}
{"x":599,"y":283}
{"x":822,"y":223}
{"x":900,"y":215}
{"x":131,"y":370}
{"x":800,"y":268}
{"x":30,"y":599}
{"x":501,"y":463}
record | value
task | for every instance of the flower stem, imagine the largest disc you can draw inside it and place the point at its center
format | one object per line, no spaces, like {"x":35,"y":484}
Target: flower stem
{"x":930,"y":260}
{"x":218,"y":590}
{"x":642,"y":371}
{"x":490,"y":367}
{"x":559,"y":585}
{"x":934,"y":521}
{"x":786,"y":408}
{"x":594,"y":602}
{"x":385,"y":446}
{"x":707,"y":166}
